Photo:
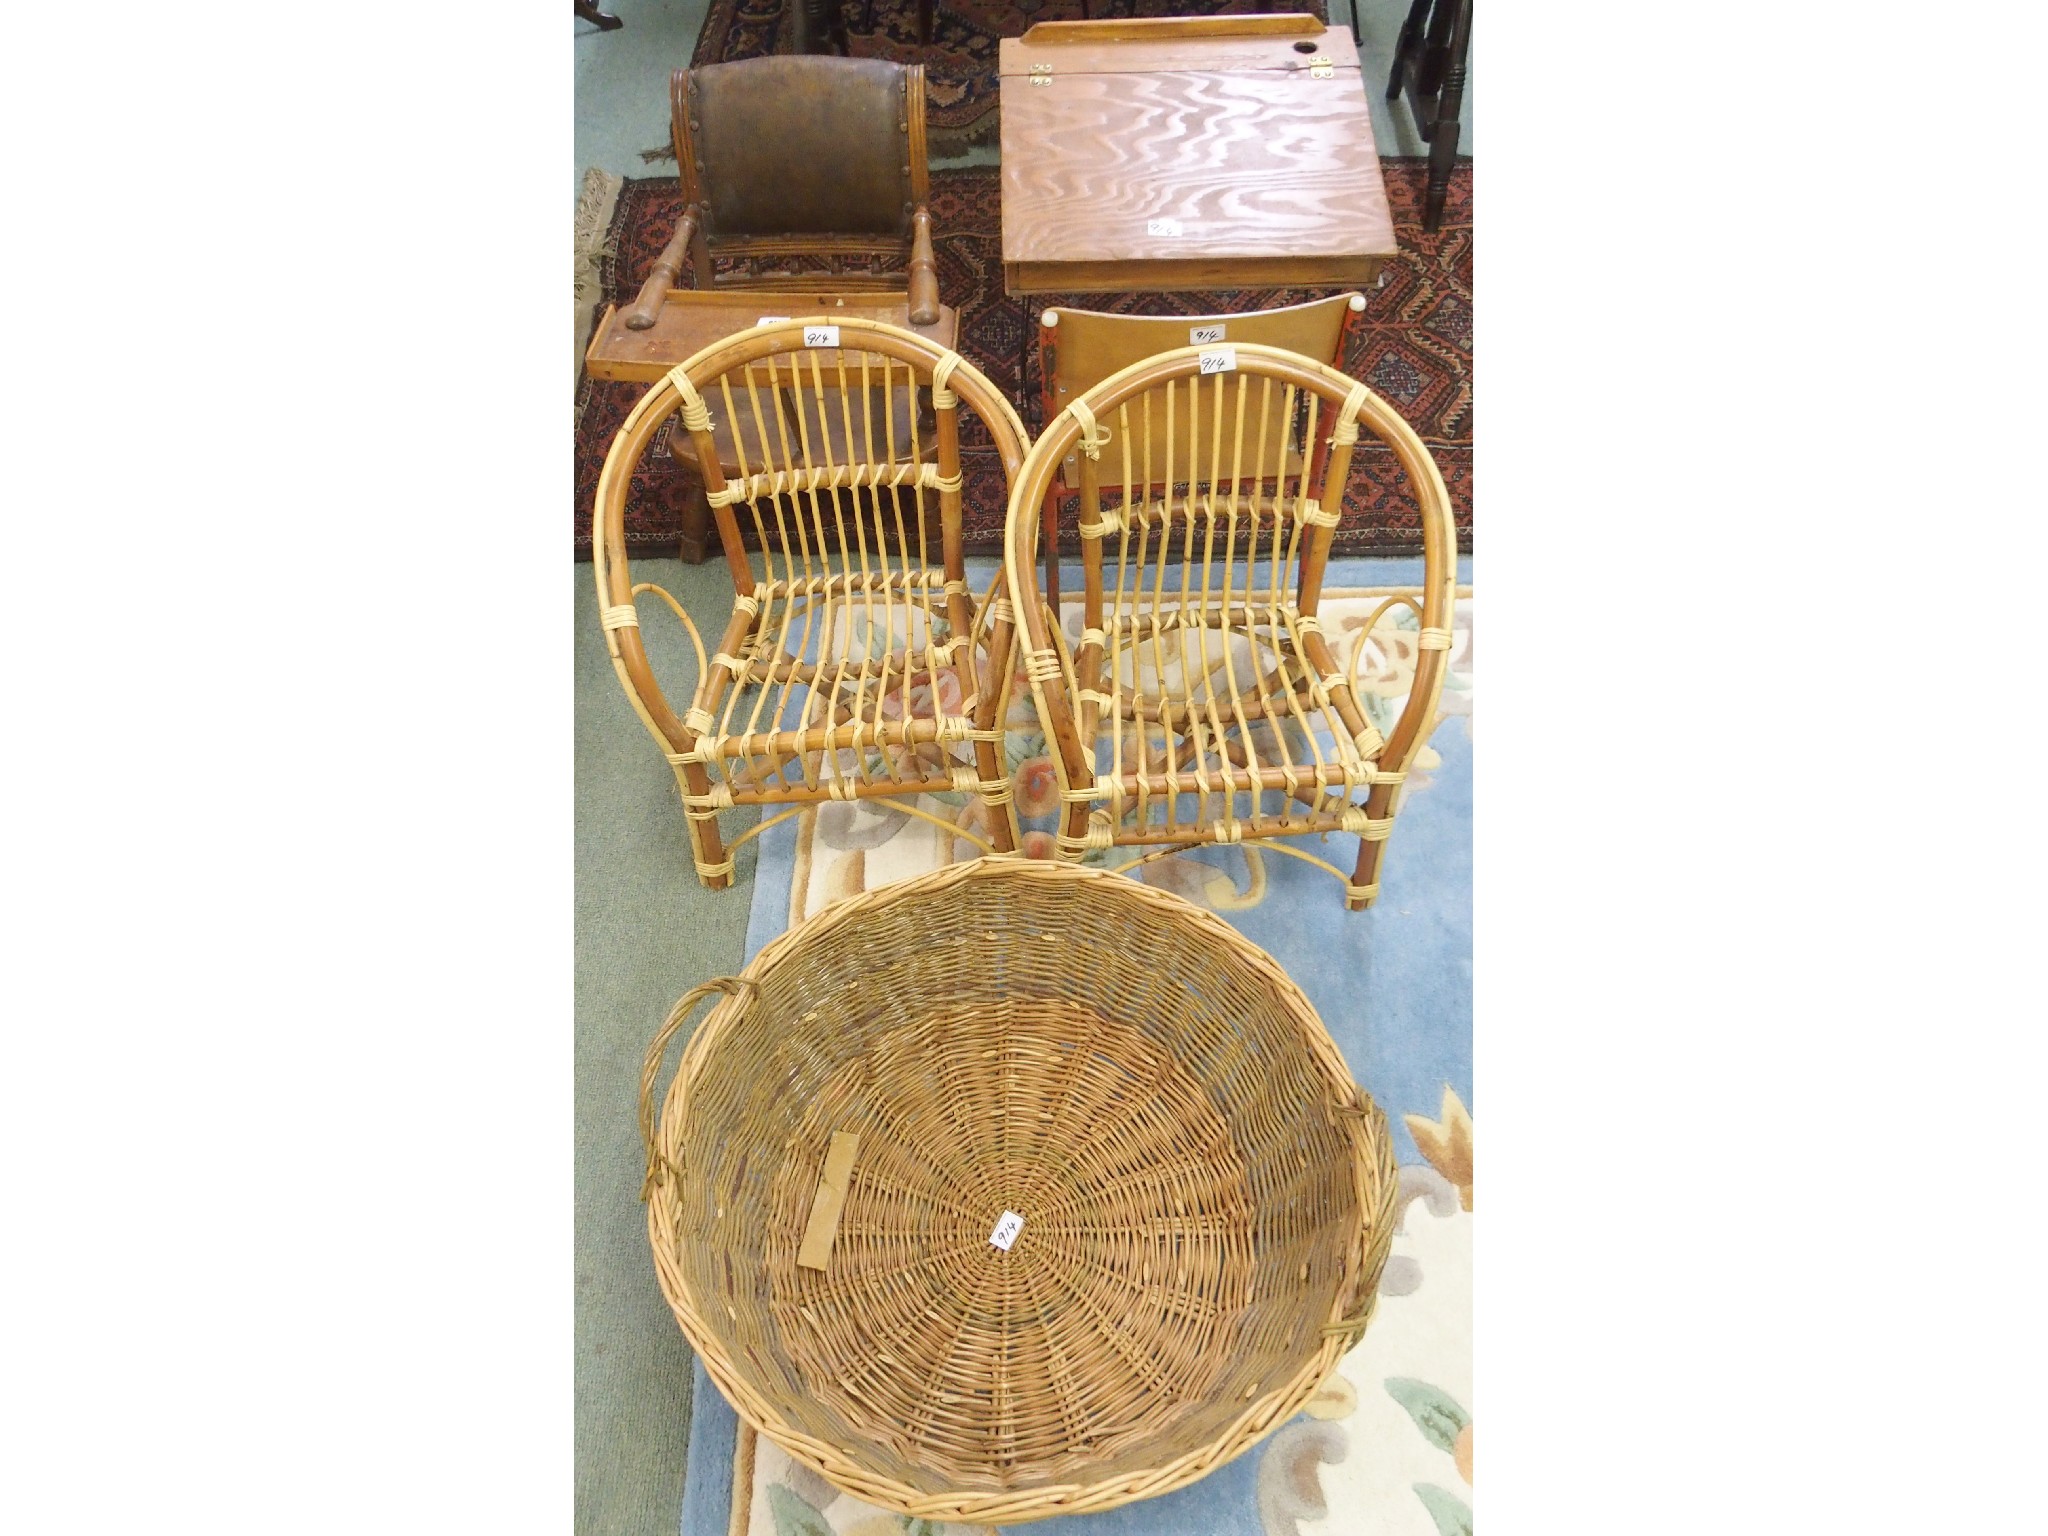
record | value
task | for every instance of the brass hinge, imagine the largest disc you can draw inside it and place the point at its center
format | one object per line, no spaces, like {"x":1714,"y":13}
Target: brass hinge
{"x":1041,"y":74}
{"x":1319,"y":68}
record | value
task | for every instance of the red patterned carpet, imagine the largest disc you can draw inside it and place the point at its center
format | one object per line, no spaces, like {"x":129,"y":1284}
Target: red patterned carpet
{"x":960,"y":63}
{"x":1415,"y":348}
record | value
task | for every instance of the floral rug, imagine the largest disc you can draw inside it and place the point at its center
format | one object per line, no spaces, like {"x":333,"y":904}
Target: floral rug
{"x":959,"y":62}
{"x":1386,"y":1446}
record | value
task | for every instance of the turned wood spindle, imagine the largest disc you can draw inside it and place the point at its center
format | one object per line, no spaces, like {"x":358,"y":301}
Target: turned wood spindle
{"x":924,"y":271}
{"x":668,"y":271}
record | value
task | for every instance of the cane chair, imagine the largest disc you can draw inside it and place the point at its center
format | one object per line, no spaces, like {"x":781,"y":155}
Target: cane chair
{"x":799,"y":156}
{"x":855,"y":664}
{"x":1079,"y":348}
{"x":1201,"y":702}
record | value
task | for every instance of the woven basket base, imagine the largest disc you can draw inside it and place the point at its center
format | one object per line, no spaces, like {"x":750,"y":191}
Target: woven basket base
{"x":1116,"y":1300}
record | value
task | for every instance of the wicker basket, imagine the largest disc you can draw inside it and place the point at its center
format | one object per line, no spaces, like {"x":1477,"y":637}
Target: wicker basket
{"x":1206,"y":1195}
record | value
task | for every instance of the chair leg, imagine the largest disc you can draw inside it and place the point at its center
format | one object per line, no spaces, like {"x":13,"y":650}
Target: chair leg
{"x":698,"y":538}
{"x":1073,"y":827}
{"x":1372,"y":852}
{"x":1411,"y":36}
{"x":1365,"y":876}
{"x":1443,"y":156}
{"x":1002,"y":813}
{"x":1049,"y":538}
{"x":606,"y":22}
{"x":1025,"y":327}
{"x":813,"y":31}
{"x":707,"y":846}
{"x":1443,"y":146}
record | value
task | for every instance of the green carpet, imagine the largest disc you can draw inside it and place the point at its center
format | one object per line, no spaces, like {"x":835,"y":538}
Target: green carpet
{"x":646,"y":932}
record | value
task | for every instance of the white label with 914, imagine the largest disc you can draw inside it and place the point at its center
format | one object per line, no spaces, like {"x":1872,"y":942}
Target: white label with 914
{"x":1220,"y":360}
{"x":1169,"y":228}
{"x":1006,"y":1230}
{"x":821,"y":335}
{"x":1202,"y":335}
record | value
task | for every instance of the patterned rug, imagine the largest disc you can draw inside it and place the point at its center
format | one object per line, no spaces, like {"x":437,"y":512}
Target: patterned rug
{"x":1415,"y":348}
{"x":1386,"y":1445}
{"x":959,"y":64}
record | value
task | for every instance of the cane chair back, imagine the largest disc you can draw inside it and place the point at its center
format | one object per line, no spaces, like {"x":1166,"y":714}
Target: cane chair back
{"x":1079,"y":348}
{"x":792,"y":162}
{"x":856,"y":662}
{"x":1201,"y":701}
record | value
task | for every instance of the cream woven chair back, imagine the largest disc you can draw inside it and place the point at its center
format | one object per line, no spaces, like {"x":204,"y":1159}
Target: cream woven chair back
{"x":1197,"y":698}
{"x":855,"y":663}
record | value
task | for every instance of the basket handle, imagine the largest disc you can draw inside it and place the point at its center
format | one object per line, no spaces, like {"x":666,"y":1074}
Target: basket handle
{"x":732,"y":986}
{"x":1351,"y":1327}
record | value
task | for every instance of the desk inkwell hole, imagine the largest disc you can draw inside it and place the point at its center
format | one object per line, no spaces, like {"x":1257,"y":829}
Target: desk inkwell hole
{"x":1304,"y":47}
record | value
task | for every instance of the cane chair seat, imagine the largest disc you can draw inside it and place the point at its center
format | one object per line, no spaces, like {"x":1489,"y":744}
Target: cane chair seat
{"x":1284,"y":732}
{"x":1197,"y":700}
{"x":899,"y":702}
{"x":855,"y":663}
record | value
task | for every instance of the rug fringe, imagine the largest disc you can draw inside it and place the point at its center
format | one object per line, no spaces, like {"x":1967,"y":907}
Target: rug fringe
{"x":594,"y":206}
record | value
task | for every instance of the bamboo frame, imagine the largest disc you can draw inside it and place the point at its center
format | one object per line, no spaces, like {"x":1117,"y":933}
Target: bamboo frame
{"x":1208,"y":1197}
{"x":854,"y":664}
{"x":1185,"y":738}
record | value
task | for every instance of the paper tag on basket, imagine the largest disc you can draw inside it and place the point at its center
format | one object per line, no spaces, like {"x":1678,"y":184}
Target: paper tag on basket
{"x":1170,"y":228}
{"x":821,"y":335}
{"x":1220,"y":360}
{"x":1006,"y":1230}
{"x":1202,"y":335}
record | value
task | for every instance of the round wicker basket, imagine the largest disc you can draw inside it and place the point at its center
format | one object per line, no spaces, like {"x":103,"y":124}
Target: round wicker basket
{"x":1206,"y":1196}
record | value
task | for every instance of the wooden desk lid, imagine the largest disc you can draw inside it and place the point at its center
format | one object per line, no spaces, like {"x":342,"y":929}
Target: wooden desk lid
{"x":1188,"y":153}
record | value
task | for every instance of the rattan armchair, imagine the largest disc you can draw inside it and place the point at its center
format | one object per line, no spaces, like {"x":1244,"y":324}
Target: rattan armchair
{"x":1201,"y":702}
{"x":856,"y":663}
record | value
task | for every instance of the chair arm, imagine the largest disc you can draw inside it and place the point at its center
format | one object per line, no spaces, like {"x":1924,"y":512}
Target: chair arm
{"x":668,"y":270}
{"x":924,"y":270}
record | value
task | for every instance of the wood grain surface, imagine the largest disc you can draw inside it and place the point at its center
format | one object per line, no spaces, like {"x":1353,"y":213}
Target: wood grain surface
{"x":1271,"y":173}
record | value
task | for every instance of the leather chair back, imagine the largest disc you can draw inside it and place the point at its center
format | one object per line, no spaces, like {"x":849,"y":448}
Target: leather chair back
{"x":797,"y":144}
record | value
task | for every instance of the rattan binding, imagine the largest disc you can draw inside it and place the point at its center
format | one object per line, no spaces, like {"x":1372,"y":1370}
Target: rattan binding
{"x":1207,"y":1196}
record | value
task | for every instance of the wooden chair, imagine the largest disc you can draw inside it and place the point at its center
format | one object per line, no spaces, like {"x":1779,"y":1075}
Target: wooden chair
{"x":1079,"y":348}
{"x":1429,"y":64}
{"x":1201,"y":702}
{"x":855,"y":664}
{"x":799,"y":156}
